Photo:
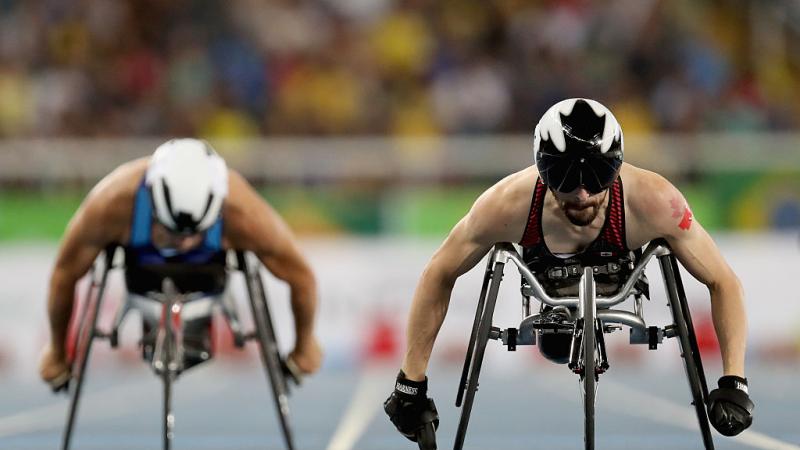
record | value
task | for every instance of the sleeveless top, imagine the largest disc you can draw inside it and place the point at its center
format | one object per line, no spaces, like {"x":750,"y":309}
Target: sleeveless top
{"x":608,"y":254}
{"x":201,"y":269}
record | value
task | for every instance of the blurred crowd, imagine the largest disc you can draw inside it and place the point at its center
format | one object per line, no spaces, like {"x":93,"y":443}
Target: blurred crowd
{"x":238,"y":68}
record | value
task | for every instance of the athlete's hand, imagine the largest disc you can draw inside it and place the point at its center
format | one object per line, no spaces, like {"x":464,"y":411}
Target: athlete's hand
{"x":54,"y":369}
{"x":409,"y":407}
{"x":730,"y":409}
{"x":307,"y":355}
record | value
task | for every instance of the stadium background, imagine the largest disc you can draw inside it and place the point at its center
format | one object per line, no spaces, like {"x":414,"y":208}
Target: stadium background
{"x":401,"y":69}
{"x":372,"y":126}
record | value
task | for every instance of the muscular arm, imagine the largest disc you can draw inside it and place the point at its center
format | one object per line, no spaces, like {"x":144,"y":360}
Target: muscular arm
{"x":251,"y":224}
{"x":83,"y":240}
{"x":103,"y":218}
{"x":458,"y":254}
{"x":495,"y":217}
{"x":670,"y":215}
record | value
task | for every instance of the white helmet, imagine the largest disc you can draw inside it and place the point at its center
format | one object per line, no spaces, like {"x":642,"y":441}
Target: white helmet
{"x":578,"y":142}
{"x":188,"y":182}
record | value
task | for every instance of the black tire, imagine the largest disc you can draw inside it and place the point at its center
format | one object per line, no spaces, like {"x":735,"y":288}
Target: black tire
{"x":166,"y":378}
{"x":78,"y":368}
{"x":169,"y":418}
{"x":487,"y":277}
{"x":83,"y":347}
{"x":481,"y":340}
{"x":277,"y":380}
{"x":688,"y":345}
{"x":268,"y":339}
{"x":694,"y":372}
{"x":268,"y":347}
{"x":588,"y":352}
{"x":426,"y":437}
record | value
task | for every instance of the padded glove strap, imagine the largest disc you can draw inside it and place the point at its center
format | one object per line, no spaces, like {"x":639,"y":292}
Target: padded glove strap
{"x":733,"y":382}
{"x":410,"y":389}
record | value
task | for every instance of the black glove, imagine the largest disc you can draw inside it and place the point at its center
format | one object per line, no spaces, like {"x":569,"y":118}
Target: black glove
{"x":409,"y":407}
{"x":730,"y":409}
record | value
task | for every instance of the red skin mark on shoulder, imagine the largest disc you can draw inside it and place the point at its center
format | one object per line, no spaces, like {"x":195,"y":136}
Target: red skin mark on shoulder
{"x":686,"y":220}
{"x":681,"y":209}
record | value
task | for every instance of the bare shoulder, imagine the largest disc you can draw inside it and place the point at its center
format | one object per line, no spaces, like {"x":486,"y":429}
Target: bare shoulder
{"x":242,"y":197}
{"x":113,"y":196}
{"x":110,"y":203}
{"x":501,"y":212}
{"x":645,"y":190}
{"x":654,"y":201}
{"x":250,"y":222}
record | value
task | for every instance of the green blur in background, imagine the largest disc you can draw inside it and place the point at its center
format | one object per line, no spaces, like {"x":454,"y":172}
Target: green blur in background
{"x":729,"y":201}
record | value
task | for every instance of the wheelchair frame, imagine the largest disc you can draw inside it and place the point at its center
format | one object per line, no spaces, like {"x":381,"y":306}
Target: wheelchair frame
{"x":167,"y":357}
{"x":588,"y":357}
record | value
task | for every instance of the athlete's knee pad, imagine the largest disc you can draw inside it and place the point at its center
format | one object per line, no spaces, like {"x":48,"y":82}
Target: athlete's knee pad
{"x":555,"y":346}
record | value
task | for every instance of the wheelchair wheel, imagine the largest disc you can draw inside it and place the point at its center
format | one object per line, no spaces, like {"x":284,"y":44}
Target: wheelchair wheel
{"x":268,"y":346}
{"x":690,"y":352}
{"x":273,"y":366}
{"x":474,"y":333}
{"x":167,"y":376}
{"x":696,"y":377}
{"x":78,"y":367}
{"x":83,"y":345}
{"x":481,"y":340}
{"x":588,"y":353}
{"x":169,"y":418}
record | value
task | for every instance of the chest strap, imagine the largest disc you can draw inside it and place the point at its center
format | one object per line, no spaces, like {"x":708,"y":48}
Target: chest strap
{"x":575,"y":270}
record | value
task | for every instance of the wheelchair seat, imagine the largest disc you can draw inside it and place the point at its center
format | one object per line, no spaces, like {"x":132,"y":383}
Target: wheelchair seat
{"x":554,"y":333}
{"x":207,"y":278}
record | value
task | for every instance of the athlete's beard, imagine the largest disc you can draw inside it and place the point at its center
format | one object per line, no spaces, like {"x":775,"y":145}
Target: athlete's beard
{"x":581,"y":214}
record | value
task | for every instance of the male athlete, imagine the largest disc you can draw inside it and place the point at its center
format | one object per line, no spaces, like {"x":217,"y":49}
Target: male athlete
{"x":567,"y":210}
{"x":182,"y":205}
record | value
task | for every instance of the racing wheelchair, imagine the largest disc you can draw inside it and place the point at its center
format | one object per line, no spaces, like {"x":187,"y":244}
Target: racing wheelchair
{"x":584,"y":319}
{"x":164,"y":337}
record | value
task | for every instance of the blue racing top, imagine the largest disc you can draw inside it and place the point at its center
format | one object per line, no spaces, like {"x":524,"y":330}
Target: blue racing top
{"x":201,"y":269}
{"x":140,"y":250}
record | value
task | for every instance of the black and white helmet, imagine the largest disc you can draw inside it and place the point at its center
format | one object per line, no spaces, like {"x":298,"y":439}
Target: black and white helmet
{"x":578,"y":142}
{"x":188,"y":182}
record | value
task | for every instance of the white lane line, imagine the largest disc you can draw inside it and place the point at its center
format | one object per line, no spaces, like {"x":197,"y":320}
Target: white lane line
{"x":664,"y":411}
{"x":362,"y":409}
{"x":93,"y":406}
{"x":112,"y":402}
